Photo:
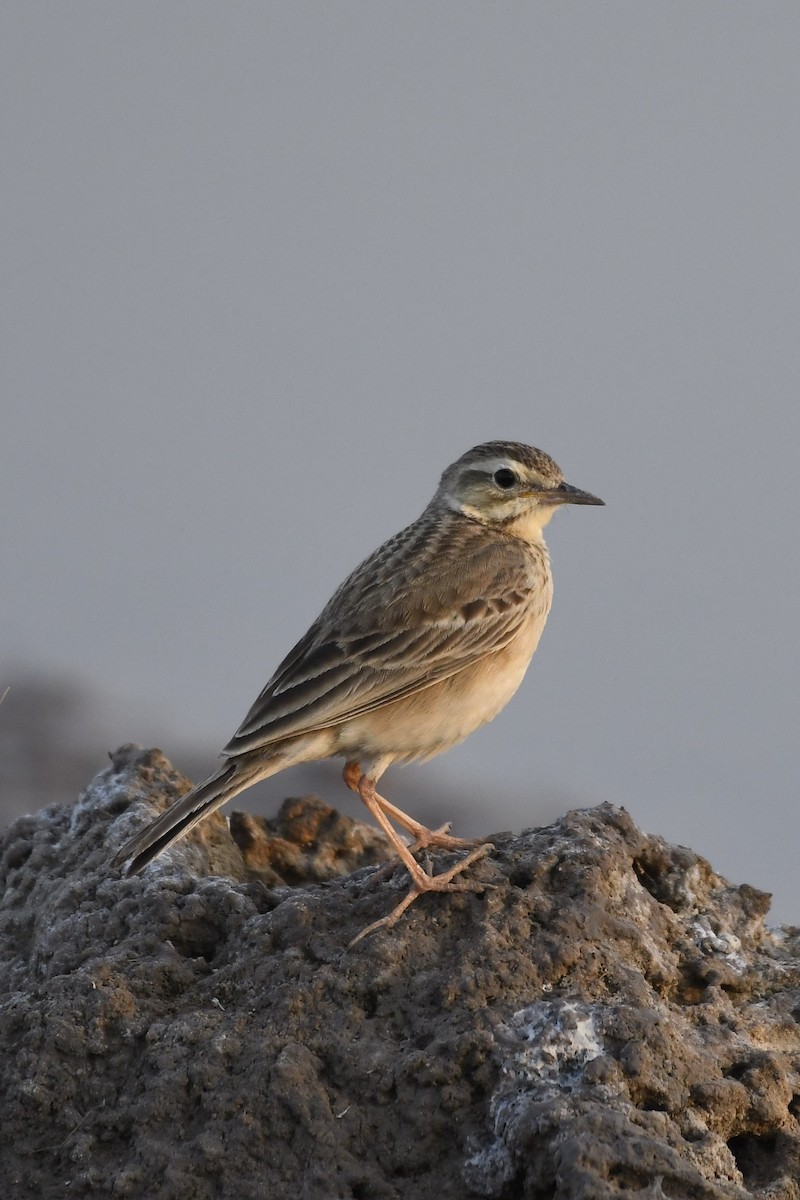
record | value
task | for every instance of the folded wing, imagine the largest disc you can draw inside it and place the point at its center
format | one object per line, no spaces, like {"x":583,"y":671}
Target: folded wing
{"x":373,"y":645}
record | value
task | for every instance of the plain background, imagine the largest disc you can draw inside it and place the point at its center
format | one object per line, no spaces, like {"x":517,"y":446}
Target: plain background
{"x":268,"y":267}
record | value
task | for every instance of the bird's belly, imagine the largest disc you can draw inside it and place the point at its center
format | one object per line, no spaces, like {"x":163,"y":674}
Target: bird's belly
{"x":442,"y":715}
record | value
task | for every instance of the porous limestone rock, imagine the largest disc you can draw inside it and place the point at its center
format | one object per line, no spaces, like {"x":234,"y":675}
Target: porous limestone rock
{"x":609,"y":1018}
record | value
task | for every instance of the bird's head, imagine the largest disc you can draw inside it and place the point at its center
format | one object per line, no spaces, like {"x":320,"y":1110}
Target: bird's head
{"x":508,"y":485}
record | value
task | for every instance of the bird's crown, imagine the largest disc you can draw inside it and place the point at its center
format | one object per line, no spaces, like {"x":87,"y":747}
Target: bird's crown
{"x":528,"y":462}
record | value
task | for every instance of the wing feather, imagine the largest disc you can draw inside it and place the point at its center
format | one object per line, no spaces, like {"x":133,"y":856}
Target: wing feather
{"x":373,"y":645}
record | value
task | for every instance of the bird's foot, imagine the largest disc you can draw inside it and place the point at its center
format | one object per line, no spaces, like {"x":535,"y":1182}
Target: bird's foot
{"x":440,"y":839}
{"x":423,"y":882}
{"x":421,"y":835}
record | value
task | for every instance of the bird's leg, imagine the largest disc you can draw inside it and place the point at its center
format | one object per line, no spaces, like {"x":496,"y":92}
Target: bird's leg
{"x":421,"y":882}
{"x":358,"y":782}
{"x":422,"y":835}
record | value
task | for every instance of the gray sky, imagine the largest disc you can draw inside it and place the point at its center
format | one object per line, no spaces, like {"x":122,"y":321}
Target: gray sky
{"x":267,"y":268}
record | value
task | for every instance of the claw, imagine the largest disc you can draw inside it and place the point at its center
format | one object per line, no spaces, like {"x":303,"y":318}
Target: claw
{"x":422,"y":883}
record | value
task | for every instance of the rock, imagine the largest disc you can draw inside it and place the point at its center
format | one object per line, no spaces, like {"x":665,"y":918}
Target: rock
{"x":308,"y":842}
{"x":609,"y":1018}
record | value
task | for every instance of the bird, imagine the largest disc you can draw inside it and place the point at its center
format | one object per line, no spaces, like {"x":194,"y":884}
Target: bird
{"x":423,"y":643}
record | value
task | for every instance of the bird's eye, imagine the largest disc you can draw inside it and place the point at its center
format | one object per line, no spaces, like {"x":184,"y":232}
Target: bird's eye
{"x":504,"y":478}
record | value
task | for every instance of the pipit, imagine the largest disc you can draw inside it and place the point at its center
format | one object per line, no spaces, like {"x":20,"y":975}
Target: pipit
{"x":427,"y":640}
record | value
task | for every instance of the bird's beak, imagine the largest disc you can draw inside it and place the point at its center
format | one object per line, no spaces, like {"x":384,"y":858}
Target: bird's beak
{"x":565,"y":493}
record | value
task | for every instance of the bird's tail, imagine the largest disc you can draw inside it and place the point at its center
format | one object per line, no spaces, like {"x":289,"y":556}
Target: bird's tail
{"x":182,"y":816}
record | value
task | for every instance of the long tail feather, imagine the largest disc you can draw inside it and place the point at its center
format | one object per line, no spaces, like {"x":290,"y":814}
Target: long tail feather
{"x":182,"y":816}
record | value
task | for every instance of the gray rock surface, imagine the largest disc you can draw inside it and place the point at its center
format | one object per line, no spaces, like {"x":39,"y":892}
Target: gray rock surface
{"x":610,"y":1018}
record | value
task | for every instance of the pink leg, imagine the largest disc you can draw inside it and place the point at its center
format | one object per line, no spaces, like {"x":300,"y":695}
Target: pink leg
{"x":421,"y":882}
{"x":422,"y":835}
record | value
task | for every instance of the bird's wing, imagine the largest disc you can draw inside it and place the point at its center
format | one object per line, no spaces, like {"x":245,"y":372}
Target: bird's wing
{"x":369,"y":648}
